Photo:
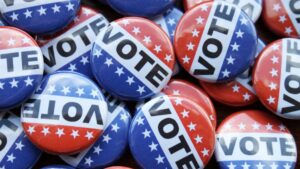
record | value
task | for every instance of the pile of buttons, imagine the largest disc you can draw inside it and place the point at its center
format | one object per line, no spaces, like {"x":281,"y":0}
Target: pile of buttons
{"x":84,"y":84}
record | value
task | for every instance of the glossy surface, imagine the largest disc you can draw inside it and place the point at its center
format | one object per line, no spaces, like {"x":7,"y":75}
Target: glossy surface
{"x":146,"y":8}
{"x":207,"y":40}
{"x":281,"y":16}
{"x":21,"y":66}
{"x":111,"y":144}
{"x":239,"y":92}
{"x":66,"y":114}
{"x":276,"y":77}
{"x":257,"y":139}
{"x":137,"y":58}
{"x":57,"y":167}
{"x":70,"y":48}
{"x":165,"y":122}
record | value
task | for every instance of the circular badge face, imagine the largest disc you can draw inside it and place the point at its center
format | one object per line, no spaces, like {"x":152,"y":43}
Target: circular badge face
{"x":133,"y":59}
{"x":276,"y":77}
{"x":57,"y":167}
{"x":21,"y":63}
{"x":282,"y":17}
{"x":39,"y":16}
{"x":112,"y":143}
{"x":239,"y":92}
{"x":65,"y":115}
{"x":171,"y":132}
{"x":210,"y":36}
{"x":146,"y":8}
{"x":252,"y":8}
{"x":118,"y":167}
{"x":254,"y":139}
{"x":16,"y":149}
{"x":70,"y":49}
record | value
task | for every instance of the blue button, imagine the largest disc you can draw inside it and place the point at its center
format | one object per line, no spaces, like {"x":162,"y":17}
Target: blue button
{"x":16,"y":149}
{"x":132,"y":59}
{"x":70,"y":49}
{"x":57,"y":167}
{"x":21,"y":66}
{"x":111,"y":145}
{"x":39,"y":16}
{"x":146,"y":8}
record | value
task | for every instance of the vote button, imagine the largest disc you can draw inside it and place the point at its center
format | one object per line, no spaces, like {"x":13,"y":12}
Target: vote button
{"x":133,"y":59}
{"x":67,"y":114}
{"x":254,"y":139}
{"x":21,"y":63}
{"x":57,"y":167}
{"x":215,"y":41}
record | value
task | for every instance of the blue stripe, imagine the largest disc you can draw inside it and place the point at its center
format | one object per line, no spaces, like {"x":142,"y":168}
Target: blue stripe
{"x":253,"y":164}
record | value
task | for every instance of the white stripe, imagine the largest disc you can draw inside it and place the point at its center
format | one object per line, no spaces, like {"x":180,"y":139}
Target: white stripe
{"x":21,"y":4}
{"x":131,"y":63}
{"x":167,"y":143}
{"x":292,"y":15}
{"x":262,"y":153}
{"x":60,"y":101}
{"x":224,"y":39}
{"x":17,"y":63}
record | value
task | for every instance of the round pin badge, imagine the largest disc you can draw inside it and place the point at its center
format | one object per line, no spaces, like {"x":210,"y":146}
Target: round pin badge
{"x":118,"y":167}
{"x":254,"y":139}
{"x":252,"y":8}
{"x":112,"y":143}
{"x":57,"y":167}
{"x":282,"y":17}
{"x":276,"y":77}
{"x":171,"y":132}
{"x":146,"y":8}
{"x":70,"y":49}
{"x":21,"y":62}
{"x":132,"y":59}
{"x":16,"y":149}
{"x":67,"y":114}
{"x":239,"y":92}
{"x":39,"y":16}
{"x":211,"y":35}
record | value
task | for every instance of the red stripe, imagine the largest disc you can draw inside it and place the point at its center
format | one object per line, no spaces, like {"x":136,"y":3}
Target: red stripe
{"x":7,"y":33}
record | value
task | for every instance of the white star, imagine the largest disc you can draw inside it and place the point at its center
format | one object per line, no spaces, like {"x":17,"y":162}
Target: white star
{"x":178,"y":101}
{"x":231,"y":166}
{"x":159,"y":159}
{"x":89,"y":135}
{"x":205,"y":152}
{"x":60,"y":132}
{"x":147,"y":39}
{"x":72,"y":67}
{"x":153,"y":146}
{"x":190,"y":46}
{"x":80,"y":91}
{"x":176,"y":93}
{"x":288,"y":30}
{"x":124,"y":117}
{"x":28,"y":14}
{"x":2,"y":85}
{"x":11,"y":42}
{"x":56,"y":8}
{"x":168,"y":58}
{"x":130,"y":80}
{"x":185,"y":113}
{"x":211,"y":117}
{"x":51,"y":89}
{"x":282,"y":18}
{"x":271,"y":100}
{"x":125,"y":22}
{"x":136,"y":30}
{"x":108,"y":62}
{"x":45,"y":131}
{"x":244,"y":21}
{"x":106,"y":138}
{"x":275,"y":47}
{"x":157,"y":48}
{"x":239,"y":34}
{"x":274,"y":59}
{"x":94,"y":93}
{"x":14,"y":17}
{"x":97,"y":53}
{"x":87,"y":12}
{"x":11,"y":157}
{"x":198,"y":139}
{"x":200,"y":20}
{"x":171,"y":21}
{"x":276,"y":7}
{"x":235,"y":88}
{"x":246,"y":96}
{"x":26,"y":40}
{"x":31,"y":129}
{"x":141,"y":89}
{"x":228,"y":126}
{"x":76,"y":19}
{"x":115,"y":127}
{"x":269,"y":126}
{"x":97,"y":150}
{"x":88,"y":161}
{"x":14,"y":83}
{"x":245,"y":166}
{"x":281,"y":127}
{"x":255,"y":126}
{"x":119,"y":71}
{"x":192,"y":127}
{"x":204,"y":7}
{"x":273,"y":86}
{"x":146,"y":133}
{"x":28,"y":81}
{"x":19,"y":145}
{"x":70,"y":6}
{"x":274,"y":72}
{"x":230,"y":60}
{"x":274,"y":166}
{"x":65,"y":90}
{"x":225,"y":73}
{"x":195,"y":33}
{"x":242,"y":126}
{"x":260,"y":165}
{"x":75,"y":134}
{"x":140,"y":121}
{"x":287,"y":166}
{"x":42,"y":11}
{"x":235,"y":47}
{"x":186,"y":59}
{"x":84,"y":60}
